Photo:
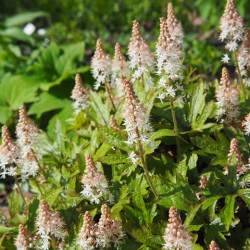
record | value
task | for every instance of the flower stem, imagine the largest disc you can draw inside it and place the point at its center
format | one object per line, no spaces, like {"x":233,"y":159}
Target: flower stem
{"x":145,"y":166}
{"x":39,"y":166}
{"x":19,"y":189}
{"x":110,"y":96}
{"x":175,"y":127}
{"x":240,"y":76}
{"x":38,"y":186}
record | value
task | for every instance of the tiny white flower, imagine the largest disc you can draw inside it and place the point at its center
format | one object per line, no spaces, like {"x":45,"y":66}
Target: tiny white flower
{"x":170,"y":91}
{"x":133,"y":157}
{"x":225,"y":58}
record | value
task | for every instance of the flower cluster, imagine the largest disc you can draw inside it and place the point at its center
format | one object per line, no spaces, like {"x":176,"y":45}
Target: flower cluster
{"x":136,"y":119}
{"x":79,"y":95}
{"x":227,"y":99}
{"x":174,"y":26}
{"x":176,"y":235}
{"x":86,"y":237}
{"x":169,"y":55}
{"x":246,"y":124}
{"x":120,"y":69}
{"x":49,"y":223}
{"x":113,"y":124}
{"x":22,"y":242}
{"x":243,"y":57}
{"x":213,"y":246}
{"x":231,"y":26}
{"x":235,"y":151}
{"x":94,"y":183}
{"x":101,"y":65}
{"x":9,"y":154}
{"x":27,"y":140}
{"x":203,"y":184}
{"x":108,"y":231}
{"x":141,"y":59}
{"x":102,"y":235}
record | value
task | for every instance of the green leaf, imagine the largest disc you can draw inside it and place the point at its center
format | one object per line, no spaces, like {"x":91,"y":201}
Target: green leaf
{"x":24,"y":18}
{"x":100,"y":110}
{"x":245,"y":195}
{"x":181,"y":167}
{"x":161,"y":133}
{"x":17,"y":34}
{"x":227,"y":213}
{"x":17,"y":90}
{"x":8,"y":230}
{"x":197,"y":103}
{"x":113,"y":138}
{"x":192,"y":162}
{"x":112,"y":159}
{"x":191,"y":214}
{"x":5,"y":114}
{"x":51,"y":196}
{"x":47,"y":103}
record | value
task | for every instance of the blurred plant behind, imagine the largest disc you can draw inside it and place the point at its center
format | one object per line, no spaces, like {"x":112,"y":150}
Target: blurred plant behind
{"x":37,"y":62}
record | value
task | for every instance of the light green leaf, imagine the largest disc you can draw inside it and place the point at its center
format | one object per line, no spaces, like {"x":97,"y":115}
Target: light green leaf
{"x":51,"y":196}
{"x":17,"y":34}
{"x":48,"y":102}
{"x":161,"y":133}
{"x":227,"y":213}
{"x":24,"y":18}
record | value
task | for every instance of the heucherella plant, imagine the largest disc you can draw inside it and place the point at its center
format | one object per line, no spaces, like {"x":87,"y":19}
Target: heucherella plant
{"x":141,"y":59}
{"x":227,"y":99}
{"x":95,"y":186}
{"x":9,"y":154}
{"x":107,"y":175}
{"x":101,"y":65}
{"x":120,"y":69}
{"x":80,"y":95}
{"x":231,"y":27}
{"x":232,"y":32}
{"x":27,"y":140}
{"x":176,"y":236}
{"x":243,"y":58}
{"x":49,"y":225}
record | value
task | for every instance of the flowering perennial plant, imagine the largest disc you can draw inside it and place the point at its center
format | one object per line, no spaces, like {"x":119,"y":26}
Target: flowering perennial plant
{"x":231,"y":26}
{"x":109,"y":230}
{"x":86,"y":237}
{"x":101,"y":65}
{"x":9,"y":154}
{"x":122,"y":146}
{"x":227,"y":99}
{"x":136,"y":119}
{"x":49,"y":224}
{"x":22,"y":241}
{"x":141,"y":59}
{"x":94,"y":183}
{"x":176,"y":235}
{"x":27,"y":140}
{"x":79,"y":95}
{"x":243,"y":58}
{"x":213,"y":246}
{"x":120,"y":69}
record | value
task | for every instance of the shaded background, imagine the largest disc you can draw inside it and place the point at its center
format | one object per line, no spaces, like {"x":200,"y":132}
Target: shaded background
{"x":38,"y":69}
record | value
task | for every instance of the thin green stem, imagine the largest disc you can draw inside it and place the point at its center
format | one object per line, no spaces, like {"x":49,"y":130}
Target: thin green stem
{"x":39,"y":166}
{"x":240,"y":76}
{"x":145,"y":166}
{"x":19,"y":189}
{"x":38,"y":186}
{"x":110,"y":96}
{"x":175,"y":126}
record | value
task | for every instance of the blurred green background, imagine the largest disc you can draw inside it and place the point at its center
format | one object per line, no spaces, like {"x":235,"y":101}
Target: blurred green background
{"x":44,"y":43}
